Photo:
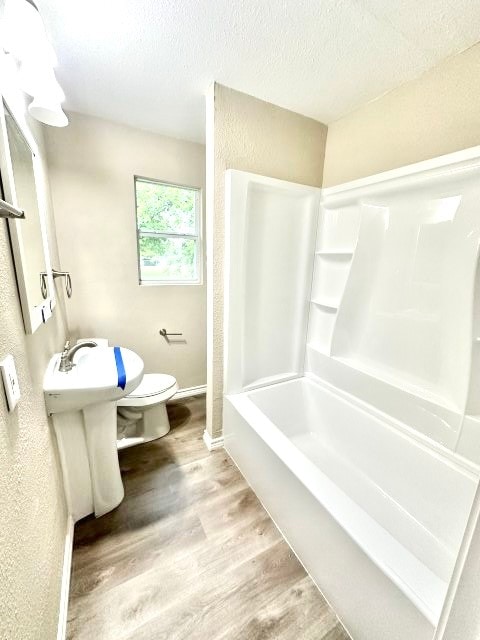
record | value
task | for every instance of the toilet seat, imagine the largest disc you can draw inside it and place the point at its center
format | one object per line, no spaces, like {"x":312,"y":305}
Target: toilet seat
{"x":153,"y":389}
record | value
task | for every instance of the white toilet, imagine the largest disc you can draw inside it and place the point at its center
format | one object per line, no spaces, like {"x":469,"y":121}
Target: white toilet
{"x":142,"y":415}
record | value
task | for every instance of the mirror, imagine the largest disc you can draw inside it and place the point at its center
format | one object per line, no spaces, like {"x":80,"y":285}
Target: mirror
{"x":24,"y":180}
{"x":21,"y":175}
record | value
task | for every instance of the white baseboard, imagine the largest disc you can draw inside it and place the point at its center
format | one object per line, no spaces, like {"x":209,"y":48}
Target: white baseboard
{"x":212,"y":443}
{"x":190,"y":391}
{"x":65,"y":587}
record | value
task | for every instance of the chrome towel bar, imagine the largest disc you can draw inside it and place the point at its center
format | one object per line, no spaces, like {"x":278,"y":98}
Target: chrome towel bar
{"x":9,"y":211}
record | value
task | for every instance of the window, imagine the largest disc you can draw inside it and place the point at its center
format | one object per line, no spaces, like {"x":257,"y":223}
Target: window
{"x":168,"y":231}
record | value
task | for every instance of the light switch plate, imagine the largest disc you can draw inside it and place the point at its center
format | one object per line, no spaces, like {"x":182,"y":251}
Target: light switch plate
{"x":10,"y":381}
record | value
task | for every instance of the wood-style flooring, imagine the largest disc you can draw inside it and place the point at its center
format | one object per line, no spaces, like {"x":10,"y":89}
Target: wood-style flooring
{"x":190,"y":553}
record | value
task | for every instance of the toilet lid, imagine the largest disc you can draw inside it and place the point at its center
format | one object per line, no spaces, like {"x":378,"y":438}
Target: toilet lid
{"x":153,"y":384}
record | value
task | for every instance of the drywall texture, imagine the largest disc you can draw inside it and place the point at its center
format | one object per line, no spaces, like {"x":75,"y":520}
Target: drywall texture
{"x":249,"y":135}
{"x":435,"y":114}
{"x":92,"y":164}
{"x":32,"y":509}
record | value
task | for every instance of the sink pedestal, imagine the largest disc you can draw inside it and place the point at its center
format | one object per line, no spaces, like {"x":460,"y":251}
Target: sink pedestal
{"x":82,"y":401}
{"x":87,"y":443}
{"x":101,"y":435}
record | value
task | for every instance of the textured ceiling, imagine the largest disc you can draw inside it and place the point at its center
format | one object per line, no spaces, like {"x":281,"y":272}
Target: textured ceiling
{"x":147,"y":63}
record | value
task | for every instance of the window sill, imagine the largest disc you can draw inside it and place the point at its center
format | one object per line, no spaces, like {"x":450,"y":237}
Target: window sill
{"x":169,"y":283}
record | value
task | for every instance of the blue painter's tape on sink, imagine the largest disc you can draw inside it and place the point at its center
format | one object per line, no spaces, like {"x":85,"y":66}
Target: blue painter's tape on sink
{"x":122,"y":376}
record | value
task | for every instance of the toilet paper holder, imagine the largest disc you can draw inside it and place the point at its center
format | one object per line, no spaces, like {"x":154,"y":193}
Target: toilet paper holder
{"x":165,"y":334}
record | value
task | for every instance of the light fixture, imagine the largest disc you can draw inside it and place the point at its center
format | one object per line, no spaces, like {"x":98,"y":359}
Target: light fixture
{"x":24,"y":36}
{"x":48,"y":96}
{"x":47,"y":111}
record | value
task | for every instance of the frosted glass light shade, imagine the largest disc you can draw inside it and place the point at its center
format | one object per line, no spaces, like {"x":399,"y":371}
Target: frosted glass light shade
{"x":24,"y":33}
{"x":28,"y":77}
{"x":48,"y":111}
{"x":35,"y":78}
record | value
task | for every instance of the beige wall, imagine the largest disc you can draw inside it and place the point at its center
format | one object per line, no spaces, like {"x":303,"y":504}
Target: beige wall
{"x":32,"y":509}
{"x":92,"y":164}
{"x":250,"y":135}
{"x":435,"y":114}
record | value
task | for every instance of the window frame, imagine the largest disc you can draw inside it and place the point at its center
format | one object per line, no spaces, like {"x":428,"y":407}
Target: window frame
{"x":197,"y":236}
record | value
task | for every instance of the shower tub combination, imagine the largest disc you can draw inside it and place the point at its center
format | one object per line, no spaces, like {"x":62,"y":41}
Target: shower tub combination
{"x":352,"y":360}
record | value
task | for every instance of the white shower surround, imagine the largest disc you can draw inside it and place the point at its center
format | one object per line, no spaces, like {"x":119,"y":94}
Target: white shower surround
{"x":352,"y":326}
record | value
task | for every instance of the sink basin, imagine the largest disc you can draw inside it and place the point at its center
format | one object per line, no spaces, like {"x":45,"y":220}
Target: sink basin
{"x":93,"y":379}
{"x":82,"y":403}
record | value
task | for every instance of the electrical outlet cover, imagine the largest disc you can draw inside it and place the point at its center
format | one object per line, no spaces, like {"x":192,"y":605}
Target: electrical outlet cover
{"x":10,"y":381}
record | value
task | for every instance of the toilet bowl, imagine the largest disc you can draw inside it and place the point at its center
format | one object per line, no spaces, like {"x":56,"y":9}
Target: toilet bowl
{"x":142,"y":415}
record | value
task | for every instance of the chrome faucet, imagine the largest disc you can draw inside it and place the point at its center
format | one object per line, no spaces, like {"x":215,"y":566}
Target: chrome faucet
{"x":66,"y":360}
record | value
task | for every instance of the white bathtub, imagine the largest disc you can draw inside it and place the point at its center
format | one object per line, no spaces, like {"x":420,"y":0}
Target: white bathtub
{"x":374,"y":511}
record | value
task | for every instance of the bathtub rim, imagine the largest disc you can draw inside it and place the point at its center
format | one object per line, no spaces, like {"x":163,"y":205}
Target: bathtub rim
{"x":447,"y":455}
{"x":344,"y":597}
{"x":320,"y":486}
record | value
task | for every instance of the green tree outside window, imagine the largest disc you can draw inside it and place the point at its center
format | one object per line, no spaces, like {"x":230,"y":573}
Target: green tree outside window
{"x":168,"y":236}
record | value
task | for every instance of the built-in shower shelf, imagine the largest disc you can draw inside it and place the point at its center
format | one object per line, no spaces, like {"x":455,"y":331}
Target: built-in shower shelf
{"x":418,"y":388}
{"x":333,"y":254}
{"x":315,"y":346}
{"x":330,"y":305}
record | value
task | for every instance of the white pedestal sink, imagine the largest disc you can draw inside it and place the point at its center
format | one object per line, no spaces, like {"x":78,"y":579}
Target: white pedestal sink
{"x":82,"y":403}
